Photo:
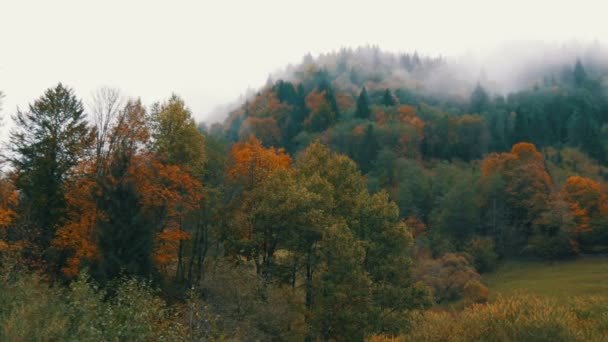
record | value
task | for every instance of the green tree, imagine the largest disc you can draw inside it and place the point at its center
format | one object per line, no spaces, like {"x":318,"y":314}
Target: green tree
{"x":363,"y":111}
{"x":47,"y":142}
{"x":479,"y":100}
{"x":579,"y":73}
{"x":176,"y":140}
{"x":388,"y":99}
{"x":342,"y":298}
{"x":126,"y":236}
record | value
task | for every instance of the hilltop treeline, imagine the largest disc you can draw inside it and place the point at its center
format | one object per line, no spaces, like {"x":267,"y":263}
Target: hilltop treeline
{"x":335,"y":203}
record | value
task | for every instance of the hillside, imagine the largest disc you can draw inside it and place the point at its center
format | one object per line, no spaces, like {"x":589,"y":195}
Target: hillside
{"x":341,"y":201}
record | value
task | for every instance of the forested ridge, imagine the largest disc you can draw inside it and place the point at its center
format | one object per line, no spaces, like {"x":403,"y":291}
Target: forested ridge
{"x":339,"y":202}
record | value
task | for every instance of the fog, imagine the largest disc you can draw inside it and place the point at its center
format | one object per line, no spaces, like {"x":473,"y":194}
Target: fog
{"x":212,"y":53}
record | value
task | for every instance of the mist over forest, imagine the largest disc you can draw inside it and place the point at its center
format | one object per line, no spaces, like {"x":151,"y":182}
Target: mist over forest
{"x":358,"y":195}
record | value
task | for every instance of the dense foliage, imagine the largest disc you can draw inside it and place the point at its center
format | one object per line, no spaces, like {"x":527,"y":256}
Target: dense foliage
{"x":335,"y":204}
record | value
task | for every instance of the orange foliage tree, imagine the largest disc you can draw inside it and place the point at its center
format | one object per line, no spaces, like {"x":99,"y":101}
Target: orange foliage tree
{"x":77,"y":235}
{"x":268,"y":105}
{"x":321,"y":114}
{"x":250,"y":162}
{"x":167,"y":193}
{"x":527,"y":185}
{"x":8,"y":202}
{"x":588,"y":202}
{"x":125,"y":199}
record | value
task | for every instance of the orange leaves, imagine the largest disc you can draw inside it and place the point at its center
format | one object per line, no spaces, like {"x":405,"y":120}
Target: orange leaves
{"x":166,"y":193}
{"x":315,"y":100}
{"x":587,"y":193}
{"x":526,"y":151}
{"x":170,"y":190}
{"x":268,"y":105}
{"x":345,"y":102}
{"x":417,"y":227}
{"x":407,"y":114}
{"x":587,"y":201}
{"x":167,"y":245}
{"x":250,"y":162}
{"x":77,"y":234}
{"x":492,"y":165}
{"x":527,"y":183}
{"x":164,"y":186}
{"x":8,"y":201}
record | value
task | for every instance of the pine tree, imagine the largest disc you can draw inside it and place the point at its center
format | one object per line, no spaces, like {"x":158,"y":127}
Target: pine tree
{"x":479,"y":100}
{"x":47,"y":142}
{"x":363,"y":110}
{"x":579,"y":73}
{"x":388,"y":99}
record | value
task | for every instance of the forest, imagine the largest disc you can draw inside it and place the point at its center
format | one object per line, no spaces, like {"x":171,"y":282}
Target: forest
{"x":360,"y":195}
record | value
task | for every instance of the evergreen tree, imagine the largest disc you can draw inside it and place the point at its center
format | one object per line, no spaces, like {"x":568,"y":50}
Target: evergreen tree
{"x":368,"y":150}
{"x":388,"y":99}
{"x":126,"y":235}
{"x":479,"y":100}
{"x":363,"y":111}
{"x":521,"y":130}
{"x":579,"y":73}
{"x":47,"y":142}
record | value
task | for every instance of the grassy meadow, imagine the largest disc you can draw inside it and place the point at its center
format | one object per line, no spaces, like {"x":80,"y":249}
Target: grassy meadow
{"x":558,"y":280}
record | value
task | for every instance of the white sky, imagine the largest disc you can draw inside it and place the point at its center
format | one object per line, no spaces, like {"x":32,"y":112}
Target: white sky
{"x":210,"y":52}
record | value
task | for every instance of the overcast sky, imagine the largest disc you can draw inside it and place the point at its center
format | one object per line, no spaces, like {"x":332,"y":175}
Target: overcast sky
{"x":210,"y":52}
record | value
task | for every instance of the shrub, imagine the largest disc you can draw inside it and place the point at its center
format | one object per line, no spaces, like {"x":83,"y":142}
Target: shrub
{"x":482,"y":253}
{"x":559,"y":246}
{"x":31,"y":310}
{"x":523,"y":318}
{"x":475,"y":292}
{"x":447,"y":276}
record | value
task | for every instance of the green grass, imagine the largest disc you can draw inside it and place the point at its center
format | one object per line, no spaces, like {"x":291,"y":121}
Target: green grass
{"x":558,"y":280}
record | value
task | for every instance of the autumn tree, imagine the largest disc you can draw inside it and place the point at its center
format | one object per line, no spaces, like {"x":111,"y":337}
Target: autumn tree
{"x":176,"y":140}
{"x":259,"y":177}
{"x":554,"y":233}
{"x":265,"y":129}
{"x":588,"y":203}
{"x":250,"y":162}
{"x":48,"y":141}
{"x":128,"y":217}
{"x":322,"y":115}
{"x":522,"y":178}
{"x":9,"y":200}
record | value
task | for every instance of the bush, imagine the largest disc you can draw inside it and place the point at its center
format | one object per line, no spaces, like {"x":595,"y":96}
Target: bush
{"x":447,"y":276}
{"x":475,"y":292}
{"x":559,"y":246}
{"x":524,"y":318}
{"x":31,"y":310}
{"x":482,"y":254}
